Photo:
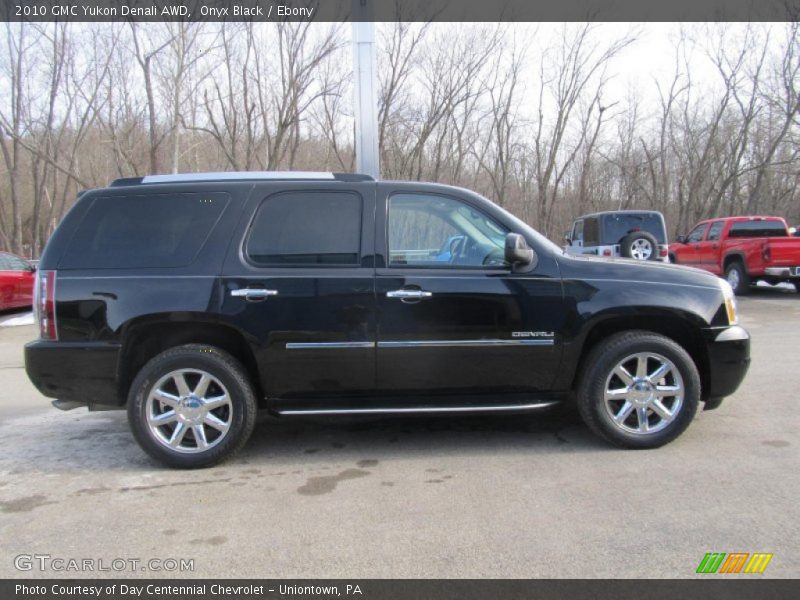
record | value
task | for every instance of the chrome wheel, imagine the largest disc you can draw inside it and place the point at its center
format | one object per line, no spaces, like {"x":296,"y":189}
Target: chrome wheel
{"x":641,"y":249}
{"x":644,"y":393}
{"x":189,"y":411}
{"x":733,"y":278}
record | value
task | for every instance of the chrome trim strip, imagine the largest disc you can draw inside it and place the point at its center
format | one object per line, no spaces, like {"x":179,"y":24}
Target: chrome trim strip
{"x":426,"y":409}
{"x":465,"y":343}
{"x":236,"y":176}
{"x":323,"y":345}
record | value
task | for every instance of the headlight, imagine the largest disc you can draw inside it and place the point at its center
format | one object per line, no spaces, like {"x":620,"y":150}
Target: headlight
{"x":730,"y":301}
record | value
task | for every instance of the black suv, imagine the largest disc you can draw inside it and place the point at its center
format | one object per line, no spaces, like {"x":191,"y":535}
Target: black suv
{"x":195,"y":300}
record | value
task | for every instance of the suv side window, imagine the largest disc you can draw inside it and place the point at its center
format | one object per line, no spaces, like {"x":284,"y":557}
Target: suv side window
{"x":426,"y":230}
{"x":144,"y":230}
{"x":715,"y":231}
{"x":696,"y":234}
{"x":306,"y":228}
{"x":591,"y":232}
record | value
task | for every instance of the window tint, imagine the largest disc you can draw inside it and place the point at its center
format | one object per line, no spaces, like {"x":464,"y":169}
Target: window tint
{"x":697,"y":233}
{"x":758,"y":229}
{"x":144,"y":231}
{"x":435,"y":231}
{"x":307,"y":228}
{"x":715,"y":231}
{"x":617,"y":226}
{"x":591,"y":232}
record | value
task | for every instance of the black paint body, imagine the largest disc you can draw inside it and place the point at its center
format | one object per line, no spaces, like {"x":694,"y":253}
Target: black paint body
{"x":111,"y":321}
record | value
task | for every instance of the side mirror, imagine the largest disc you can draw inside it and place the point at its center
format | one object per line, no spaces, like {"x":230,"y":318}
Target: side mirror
{"x":681,"y":239}
{"x":567,"y":239}
{"x":517,"y":253}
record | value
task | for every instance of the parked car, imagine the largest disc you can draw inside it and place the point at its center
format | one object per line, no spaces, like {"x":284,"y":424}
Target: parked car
{"x":16,"y":282}
{"x":743,"y":250}
{"x":194,"y":300}
{"x":637,"y":234}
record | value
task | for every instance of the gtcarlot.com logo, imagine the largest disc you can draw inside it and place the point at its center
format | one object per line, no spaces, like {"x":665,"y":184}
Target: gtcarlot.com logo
{"x":734,"y":562}
{"x":47,"y":562}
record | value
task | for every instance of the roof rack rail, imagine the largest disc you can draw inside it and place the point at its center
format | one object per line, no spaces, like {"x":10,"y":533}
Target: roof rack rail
{"x":241,"y":176}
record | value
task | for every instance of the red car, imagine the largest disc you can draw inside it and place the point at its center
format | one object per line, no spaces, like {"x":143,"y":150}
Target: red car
{"x":743,"y":250}
{"x":16,"y":282}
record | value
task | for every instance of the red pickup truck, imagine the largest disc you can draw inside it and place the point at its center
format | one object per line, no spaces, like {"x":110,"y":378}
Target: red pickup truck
{"x":743,"y":250}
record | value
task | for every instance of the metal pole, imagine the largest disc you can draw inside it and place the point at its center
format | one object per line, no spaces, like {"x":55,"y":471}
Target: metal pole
{"x":366,"y":97}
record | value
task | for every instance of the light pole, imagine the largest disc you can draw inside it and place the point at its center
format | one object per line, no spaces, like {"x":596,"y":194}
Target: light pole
{"x":366,"y":97}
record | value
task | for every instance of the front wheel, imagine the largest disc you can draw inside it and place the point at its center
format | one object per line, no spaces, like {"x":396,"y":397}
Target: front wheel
{"x":639,"y":390}
{"x":191,"y":406}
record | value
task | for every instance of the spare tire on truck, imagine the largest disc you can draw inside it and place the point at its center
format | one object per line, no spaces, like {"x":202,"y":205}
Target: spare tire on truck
{"x":639,"y":245}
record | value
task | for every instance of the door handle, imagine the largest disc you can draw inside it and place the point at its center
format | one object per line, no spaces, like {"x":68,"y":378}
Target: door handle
{"x":408,"y":294}
{"x":253,"y":293}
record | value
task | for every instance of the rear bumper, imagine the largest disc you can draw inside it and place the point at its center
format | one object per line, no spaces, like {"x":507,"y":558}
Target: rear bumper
{"x":85,"y":373}
{"x":787,"y":272}
{"x":728,"y":360}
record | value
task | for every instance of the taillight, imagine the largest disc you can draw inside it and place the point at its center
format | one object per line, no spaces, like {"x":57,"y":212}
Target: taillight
{"x":46,"y":304}
{"x":662,"y":251}
{"x":765,"y":252}
{"x":607,"y":252}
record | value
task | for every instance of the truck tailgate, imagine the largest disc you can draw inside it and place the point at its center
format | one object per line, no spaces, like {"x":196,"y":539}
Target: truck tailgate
{"x":784,"y":251}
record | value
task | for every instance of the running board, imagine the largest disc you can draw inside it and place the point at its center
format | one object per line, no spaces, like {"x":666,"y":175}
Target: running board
{"x":400,"y":410}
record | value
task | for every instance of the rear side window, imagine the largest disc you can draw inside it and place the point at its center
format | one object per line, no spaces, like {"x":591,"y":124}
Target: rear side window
{"x":306,"y":228}
{"x":715,"y":231}
{"x":144,"y":231}
{"x":745,"y":229}
{"x":591,"y":232}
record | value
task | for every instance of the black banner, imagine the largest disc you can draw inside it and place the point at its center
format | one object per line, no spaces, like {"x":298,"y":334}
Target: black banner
{"x":399,"y":589}
{"x":403,"y":10}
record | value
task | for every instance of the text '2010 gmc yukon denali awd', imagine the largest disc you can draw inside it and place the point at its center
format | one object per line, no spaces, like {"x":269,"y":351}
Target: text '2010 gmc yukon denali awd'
{"x":194,"y":300}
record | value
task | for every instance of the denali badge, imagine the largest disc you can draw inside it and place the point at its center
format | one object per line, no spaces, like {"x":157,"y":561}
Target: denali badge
{"x":522,"y":334}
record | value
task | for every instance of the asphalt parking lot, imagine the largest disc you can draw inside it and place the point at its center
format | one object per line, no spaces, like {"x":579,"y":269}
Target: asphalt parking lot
{"x":512,"y":497}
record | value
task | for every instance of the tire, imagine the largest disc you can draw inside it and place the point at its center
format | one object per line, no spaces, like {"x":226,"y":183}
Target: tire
{"x":797,"y":286}
{"x":631,"y":430}
{"x":157,"y":391}
{"x":639,"y":245}
{"x":737,"y":276}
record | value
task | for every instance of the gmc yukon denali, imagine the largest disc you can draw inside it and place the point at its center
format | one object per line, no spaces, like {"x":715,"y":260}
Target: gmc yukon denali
{"x":195,"y":300}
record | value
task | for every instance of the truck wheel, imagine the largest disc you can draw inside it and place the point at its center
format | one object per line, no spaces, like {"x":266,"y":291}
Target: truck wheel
{"x":191,"y":406}
{"x":797,"y":286}
{"x":639,"y":245}
{"x":737,"y":277}
{"x":638,"y":390}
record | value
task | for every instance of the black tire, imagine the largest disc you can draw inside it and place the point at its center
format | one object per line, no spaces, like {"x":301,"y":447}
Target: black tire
{"x":737,"y":276}
{"x":597,"y":372}
{"x":797,"y":286}
{"x":239,"y":413}
{"x":628,"y":245}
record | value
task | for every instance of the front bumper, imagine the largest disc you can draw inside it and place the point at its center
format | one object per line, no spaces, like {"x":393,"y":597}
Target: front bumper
{"x":84,"y":373}
{"x":728,"y":352}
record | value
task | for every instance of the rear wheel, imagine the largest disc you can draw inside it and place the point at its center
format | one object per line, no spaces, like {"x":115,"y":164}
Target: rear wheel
{"x":737,"y":277}
{"x":191,"y":406}
{"x":639,"y":390}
